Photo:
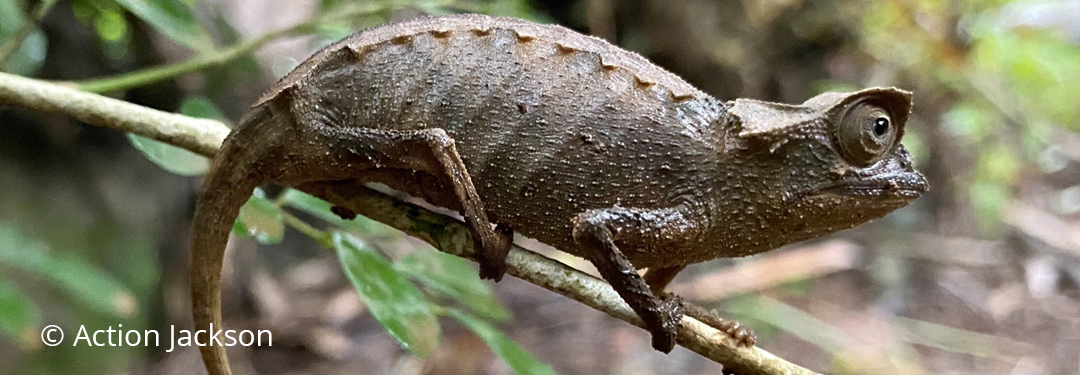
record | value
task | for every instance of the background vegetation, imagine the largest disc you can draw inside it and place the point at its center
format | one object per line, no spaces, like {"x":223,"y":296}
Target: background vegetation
{"x":979,"y":276}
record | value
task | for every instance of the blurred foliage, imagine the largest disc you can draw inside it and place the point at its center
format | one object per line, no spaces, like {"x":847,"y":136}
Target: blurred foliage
{"x":94,"y":288}
{"x":392,"y":299}
{"x":520,"y":361}
{"x":19,"y":316}
{"x":405,"y":312}
{"x":1009,"y":79}
{"x":93,"y":295}
{"x":443,"y":273}
{"x":360,"y":226}
{"x":22,"y":47}
{"x":173,"y":18}
{"x":260,"y":218}
{"x":174,"y":159}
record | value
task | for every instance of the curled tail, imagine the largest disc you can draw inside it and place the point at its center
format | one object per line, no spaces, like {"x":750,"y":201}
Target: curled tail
{"x":230,"y":182}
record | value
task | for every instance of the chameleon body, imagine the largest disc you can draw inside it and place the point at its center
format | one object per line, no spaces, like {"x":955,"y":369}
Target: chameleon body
{"x":539,"y":130}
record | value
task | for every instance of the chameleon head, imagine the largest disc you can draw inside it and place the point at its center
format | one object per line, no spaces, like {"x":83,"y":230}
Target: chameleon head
{"x":832,"y":163}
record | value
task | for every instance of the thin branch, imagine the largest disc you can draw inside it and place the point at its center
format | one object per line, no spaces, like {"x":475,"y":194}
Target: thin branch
{"x":321,"y":236}
{"x":222,"y":56}
{"x":160,"y":73}
{"x":446,"y":234}
{"x":200,"y":136}
{"x":24,"y":30}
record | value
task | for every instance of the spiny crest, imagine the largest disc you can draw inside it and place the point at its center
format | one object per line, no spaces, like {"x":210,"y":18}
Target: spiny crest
{"x":680,"y":96}
{"x":482,"y":31}
{"x":524,"y":36}
{"x":643,"y":82}
{"x":566,"y":42}
{"x":607,"y":62}
{"x":440,"y":33}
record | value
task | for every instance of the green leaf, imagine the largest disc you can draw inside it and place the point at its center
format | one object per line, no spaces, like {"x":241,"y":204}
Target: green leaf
{"x":455,"y":278}
{"x":201,"y":107}
{"x":76,"y":277}
{"x":321,"y":209}
{"x":172,"y":18}
{"x":510,"y":352}
{"x":312,"y":205}
{"x":12,"y":16}
{"x":112,"y":26}
{"x":169,"y":157}
{"x":260,"y":218}
{"x":175,"y":159}
{"x":392,"y":299}
{"x":18,"y":315}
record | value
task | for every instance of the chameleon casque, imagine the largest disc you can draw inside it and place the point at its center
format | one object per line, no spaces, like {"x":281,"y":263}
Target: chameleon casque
{"x":565,"y":138}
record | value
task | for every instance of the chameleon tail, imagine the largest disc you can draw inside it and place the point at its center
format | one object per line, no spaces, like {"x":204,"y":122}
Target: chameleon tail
{"x":227,"y":187}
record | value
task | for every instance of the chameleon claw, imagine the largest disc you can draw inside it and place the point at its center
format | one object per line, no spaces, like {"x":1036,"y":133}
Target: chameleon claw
{"x":743,"y":336}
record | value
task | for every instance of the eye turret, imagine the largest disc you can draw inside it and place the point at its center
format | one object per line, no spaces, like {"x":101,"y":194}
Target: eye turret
{"x":865,"y":133}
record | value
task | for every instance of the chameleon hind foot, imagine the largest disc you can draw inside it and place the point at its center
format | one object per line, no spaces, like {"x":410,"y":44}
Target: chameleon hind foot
{"x":743,"y":336}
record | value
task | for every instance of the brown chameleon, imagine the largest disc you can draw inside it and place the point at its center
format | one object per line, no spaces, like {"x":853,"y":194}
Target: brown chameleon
{"x":561,"y":137}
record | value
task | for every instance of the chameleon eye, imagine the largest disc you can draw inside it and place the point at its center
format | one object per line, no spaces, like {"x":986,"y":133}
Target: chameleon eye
{"x":865,"y":133}
{"x":881,"y":126}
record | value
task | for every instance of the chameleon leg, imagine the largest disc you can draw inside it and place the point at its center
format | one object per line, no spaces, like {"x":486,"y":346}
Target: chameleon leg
{"x":594,"y":234}
{"x":347,"y":152}
{"x":658,"y":279}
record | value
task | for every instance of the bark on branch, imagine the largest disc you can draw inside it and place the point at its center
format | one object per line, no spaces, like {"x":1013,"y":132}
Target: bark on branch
{"x":444,"y":233}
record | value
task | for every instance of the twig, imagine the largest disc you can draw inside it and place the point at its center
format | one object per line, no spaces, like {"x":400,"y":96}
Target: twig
{"x":222,"y":56}
{"x":316,"y":234}
{"x":155,"y":74}
{"x":200,"y":136}
{"x":447,"y":234}
{"x":8,"y":49}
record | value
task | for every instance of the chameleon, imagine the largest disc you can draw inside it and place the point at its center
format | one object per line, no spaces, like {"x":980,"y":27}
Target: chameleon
{"x":561,"y":137}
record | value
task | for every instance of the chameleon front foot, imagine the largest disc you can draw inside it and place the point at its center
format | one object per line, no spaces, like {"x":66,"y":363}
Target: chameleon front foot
{"x":492,"y":255}
{"x":594,"y":231}
{"x":665,"y":326}
{"x":743,"y":336}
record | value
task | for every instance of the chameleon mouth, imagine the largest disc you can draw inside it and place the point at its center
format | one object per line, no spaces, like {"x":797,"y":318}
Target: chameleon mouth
{"x":906,"y":186}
